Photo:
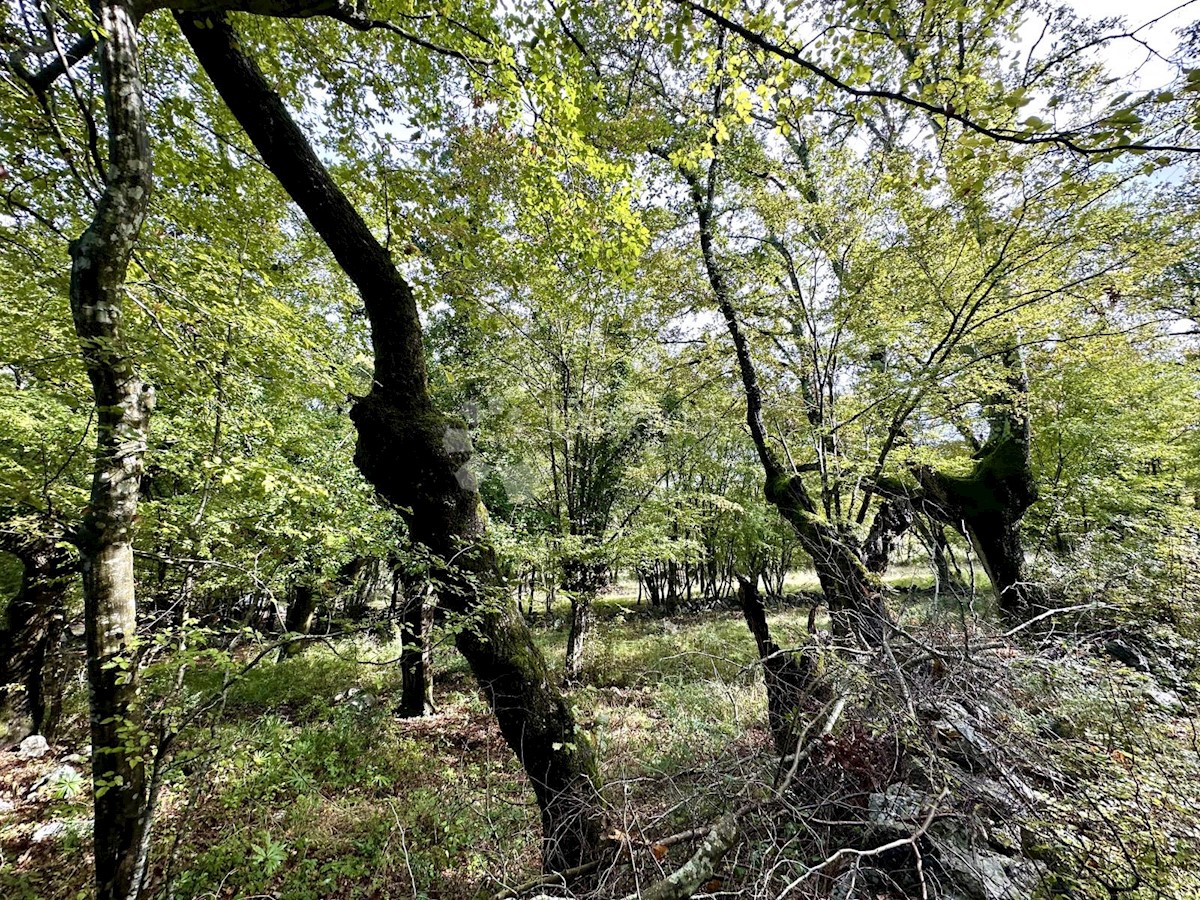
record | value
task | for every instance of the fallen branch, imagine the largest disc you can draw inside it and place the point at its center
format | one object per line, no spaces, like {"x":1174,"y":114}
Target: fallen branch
{"x":688,"y":878}
{"x":546,"y":880}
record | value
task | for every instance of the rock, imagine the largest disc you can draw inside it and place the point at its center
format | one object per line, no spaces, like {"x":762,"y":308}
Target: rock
{"x":975,"y":873}
{"x":33,"y":747}
{"x":7,"y":805}
{"x":998,"y":797}
{"x":356,"y":699}
{"x":1124,"y":653}
{"x":979,"y":861}
{"x":49,"y":831}
{"x":898,"y":808}
{"x":1005,"y":839}
{"x":1168,"y":700}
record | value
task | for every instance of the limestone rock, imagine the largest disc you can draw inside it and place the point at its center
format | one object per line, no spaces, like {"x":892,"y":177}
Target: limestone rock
{"x":33,"y":747}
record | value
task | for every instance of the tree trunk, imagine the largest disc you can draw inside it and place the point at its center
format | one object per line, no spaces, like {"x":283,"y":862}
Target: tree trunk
{"x":124,"y":402}
{"x":933,"y":535}
{"x":416,"y":669}
{"x":853,"y":594}
{"x":987,"y":503}
{"x":790,"y":678}
{"x":582,"y":581}
{"x":31,"y":651}
{"x":298,"y":621}
{"x":892,"y":519}
{"x":577,"y":635}
{"x":435,"y":487}
{"x":997,"y":541}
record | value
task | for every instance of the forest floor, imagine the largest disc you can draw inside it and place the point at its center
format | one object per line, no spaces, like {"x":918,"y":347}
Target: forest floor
{"x":308,"y":786}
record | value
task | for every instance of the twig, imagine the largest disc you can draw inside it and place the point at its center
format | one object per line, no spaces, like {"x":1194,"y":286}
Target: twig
{"x":911,"y":840}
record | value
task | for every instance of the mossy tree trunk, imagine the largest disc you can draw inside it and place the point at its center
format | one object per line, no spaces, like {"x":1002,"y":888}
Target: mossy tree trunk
{"x":854,"y":594}
{"x":435,"y":487}
{"x":987,"y":503}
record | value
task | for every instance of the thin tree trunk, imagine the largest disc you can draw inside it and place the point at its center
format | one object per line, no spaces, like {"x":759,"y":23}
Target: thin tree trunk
{"x":577,"y":636}
{"x":416,"y":669}
{"x":582,"y":581}
{"x":435,"y":487}
{"x":790,"y":678}
{"x":892,"y":519}
{"x":852,"y":592}
{"x":124,"y":403}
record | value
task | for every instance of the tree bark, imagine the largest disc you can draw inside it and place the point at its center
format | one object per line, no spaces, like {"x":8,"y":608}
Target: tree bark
{"x":790,"y":678}
{"x":435,"y":488}
{"x":583,"y":581}
{"x":688,"y":879}
{"x":892,"y":519}
{"x":31,"y":651}
{"x":99,"y":259}
{"x":987,"y":503}
{"x":577,"y":635}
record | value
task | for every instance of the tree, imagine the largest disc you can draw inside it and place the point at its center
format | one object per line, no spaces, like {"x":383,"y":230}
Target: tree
{"x":124,"y":402}
{"x":439,"y":500}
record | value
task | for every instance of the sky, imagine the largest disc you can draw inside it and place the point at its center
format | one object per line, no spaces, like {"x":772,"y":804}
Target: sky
{"x":1126,"y":57}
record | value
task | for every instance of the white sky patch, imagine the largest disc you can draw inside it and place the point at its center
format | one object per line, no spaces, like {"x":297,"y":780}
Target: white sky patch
{"x":1154,"y":24}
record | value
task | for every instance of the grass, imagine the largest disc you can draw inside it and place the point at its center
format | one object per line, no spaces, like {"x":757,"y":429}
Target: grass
{"x":295,"y":796}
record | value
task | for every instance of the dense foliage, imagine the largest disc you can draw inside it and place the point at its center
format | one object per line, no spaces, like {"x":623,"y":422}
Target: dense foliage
{"x":566,"y":335}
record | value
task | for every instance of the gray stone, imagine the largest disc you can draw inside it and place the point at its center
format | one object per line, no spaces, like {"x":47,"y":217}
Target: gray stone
{"x":983,"y":875}
{"x":1168,"y":700}
{"x":356,"y":699}
{"x":979,"y":874}
{"x":898,"y":808}
{"x":33,"y":747}
{"x":49,"y":831}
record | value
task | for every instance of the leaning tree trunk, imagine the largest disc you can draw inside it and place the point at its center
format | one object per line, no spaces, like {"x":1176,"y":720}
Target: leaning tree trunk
{"x":854,"y":595}
{"x":31,"y":657}
{"x":124,"y":402}
{"x":397,"y":420}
